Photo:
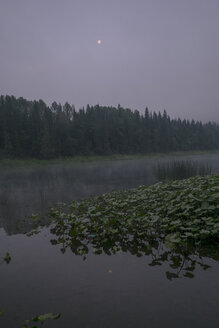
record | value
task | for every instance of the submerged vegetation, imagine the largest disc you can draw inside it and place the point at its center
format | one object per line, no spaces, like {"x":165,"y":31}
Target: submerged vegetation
{"x":175,"y":222}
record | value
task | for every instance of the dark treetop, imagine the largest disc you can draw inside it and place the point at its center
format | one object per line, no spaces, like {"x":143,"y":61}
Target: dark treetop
{"x":32,"y":129}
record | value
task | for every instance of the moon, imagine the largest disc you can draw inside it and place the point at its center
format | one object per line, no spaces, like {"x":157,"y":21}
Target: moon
{"x":99,"y":42}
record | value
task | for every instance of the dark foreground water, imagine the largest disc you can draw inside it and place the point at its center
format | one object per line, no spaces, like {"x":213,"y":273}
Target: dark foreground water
{"x":120,"y":290}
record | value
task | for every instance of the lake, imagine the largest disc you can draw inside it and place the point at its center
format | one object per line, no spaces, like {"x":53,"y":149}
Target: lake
{"x":121,"y":290}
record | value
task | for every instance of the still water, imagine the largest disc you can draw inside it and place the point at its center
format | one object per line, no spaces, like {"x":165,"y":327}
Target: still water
{"x":120,"y":290}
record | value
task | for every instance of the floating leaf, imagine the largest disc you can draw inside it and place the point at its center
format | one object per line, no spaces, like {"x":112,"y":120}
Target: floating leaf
{"x":43,"y":317}
{"x":7,"y":258}
{"x":182,"y":215}
{"x":171,"y":275}
{"x":40,"y":318}
{"x":189,"y":275}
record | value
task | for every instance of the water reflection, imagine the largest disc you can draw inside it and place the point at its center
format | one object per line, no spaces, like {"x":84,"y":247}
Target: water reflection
{"x":181,"y":169}
{"x":34,"y":190}
{"x":27,"y":191}
{"x":40,"y":278}
{"x":181,"y":261}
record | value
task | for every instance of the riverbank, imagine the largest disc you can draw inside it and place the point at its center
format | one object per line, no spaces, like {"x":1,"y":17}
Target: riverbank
{"x":7,"y":163}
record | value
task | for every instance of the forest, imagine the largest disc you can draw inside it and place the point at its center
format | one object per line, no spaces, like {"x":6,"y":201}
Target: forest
{"x":31,"y":129}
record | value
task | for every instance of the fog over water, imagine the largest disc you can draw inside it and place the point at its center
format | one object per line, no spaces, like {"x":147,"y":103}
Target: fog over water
{"x":27,"y":191}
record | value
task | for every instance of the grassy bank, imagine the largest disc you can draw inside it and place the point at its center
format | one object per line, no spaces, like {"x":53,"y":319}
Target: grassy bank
{"x":30,"y":162}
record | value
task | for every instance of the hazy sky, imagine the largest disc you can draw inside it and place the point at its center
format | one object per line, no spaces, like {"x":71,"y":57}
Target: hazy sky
{"x":155,"y":53}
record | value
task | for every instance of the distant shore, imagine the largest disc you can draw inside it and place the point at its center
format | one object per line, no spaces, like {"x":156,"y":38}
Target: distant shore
{"x":6,"y":163}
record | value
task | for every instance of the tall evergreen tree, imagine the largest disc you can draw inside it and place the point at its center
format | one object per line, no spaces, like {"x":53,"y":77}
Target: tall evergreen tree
{"x":32,"y":129}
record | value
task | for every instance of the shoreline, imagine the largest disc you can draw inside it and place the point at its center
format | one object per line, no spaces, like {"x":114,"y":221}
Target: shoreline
{"x":7,"y":163}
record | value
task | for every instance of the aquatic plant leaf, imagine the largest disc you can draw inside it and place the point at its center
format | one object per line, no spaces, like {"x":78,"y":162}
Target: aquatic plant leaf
{"x":171,"y":240}
{"x":7,"y":258}
{"x":171,"y":275}
{"x":181,"y":216}
{"x":189,"y":275}
{"x":40,"y":318}
{"x":43,"y":317}
{"x":205,"y":205}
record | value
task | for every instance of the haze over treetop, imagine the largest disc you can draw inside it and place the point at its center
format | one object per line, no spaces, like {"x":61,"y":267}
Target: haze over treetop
{"x":163,"y":54}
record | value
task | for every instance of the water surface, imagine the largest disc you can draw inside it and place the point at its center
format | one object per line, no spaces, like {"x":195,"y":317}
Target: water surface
{"x":120,"y":290}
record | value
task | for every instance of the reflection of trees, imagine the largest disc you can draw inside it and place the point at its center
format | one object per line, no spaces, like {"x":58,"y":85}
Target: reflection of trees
{"x":180,"y":169}
{"x":182,"y":261}
{"x":34,"y":190}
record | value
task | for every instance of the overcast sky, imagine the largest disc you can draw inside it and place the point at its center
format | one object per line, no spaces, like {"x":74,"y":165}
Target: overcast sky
{"x":155,"y":53}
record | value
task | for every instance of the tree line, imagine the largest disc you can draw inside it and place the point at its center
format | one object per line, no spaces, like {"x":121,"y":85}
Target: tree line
{"x":33,"y":129}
